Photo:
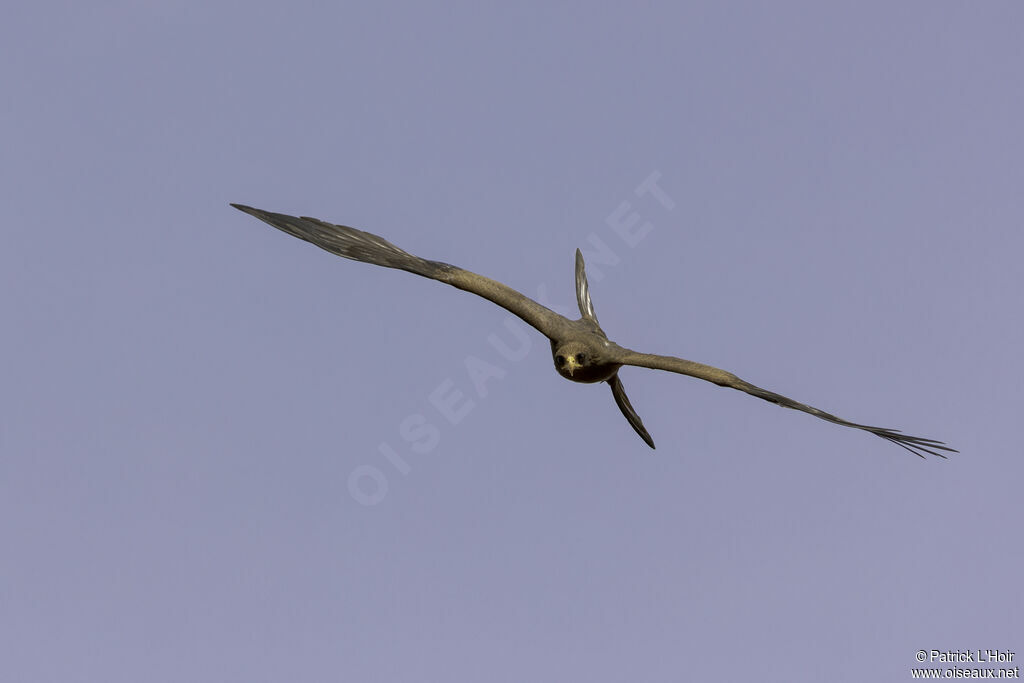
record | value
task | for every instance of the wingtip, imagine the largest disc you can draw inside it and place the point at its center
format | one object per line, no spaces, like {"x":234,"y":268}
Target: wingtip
{"x":262,"y":215}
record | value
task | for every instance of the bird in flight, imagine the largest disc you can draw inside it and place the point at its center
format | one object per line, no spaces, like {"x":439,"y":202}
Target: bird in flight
{"x":581,"y":350}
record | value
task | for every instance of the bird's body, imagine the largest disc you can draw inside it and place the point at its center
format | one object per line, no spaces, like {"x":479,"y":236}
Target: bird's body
{"x":580,"y":349}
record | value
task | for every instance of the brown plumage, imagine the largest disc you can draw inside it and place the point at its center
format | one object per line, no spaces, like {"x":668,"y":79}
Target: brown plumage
{"x":580,"y":349}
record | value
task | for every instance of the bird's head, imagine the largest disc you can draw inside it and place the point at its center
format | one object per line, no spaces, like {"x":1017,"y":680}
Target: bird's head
{"x":581,"y":362}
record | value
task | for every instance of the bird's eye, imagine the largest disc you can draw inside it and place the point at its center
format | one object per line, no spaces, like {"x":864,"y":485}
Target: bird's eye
{"x":580,"y":358}
{"x":560,"y":360}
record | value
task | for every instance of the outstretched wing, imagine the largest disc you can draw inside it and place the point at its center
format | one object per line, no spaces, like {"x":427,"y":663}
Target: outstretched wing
{"x":915,"y":444}
{"x":622,"y":401}
{"x":369,"y":248}
{"x":583,"y":291}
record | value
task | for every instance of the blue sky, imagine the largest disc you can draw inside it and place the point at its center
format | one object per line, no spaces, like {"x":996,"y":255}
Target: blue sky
{"x":189,"y":395}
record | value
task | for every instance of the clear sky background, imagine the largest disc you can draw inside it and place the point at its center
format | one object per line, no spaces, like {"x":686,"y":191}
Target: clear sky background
{"x":197,"y":411}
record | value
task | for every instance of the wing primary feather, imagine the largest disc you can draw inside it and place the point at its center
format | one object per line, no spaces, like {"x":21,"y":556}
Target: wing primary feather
{"x":915,"y":444}
{"x":349,"y":243}
{"x":363,"y":246}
